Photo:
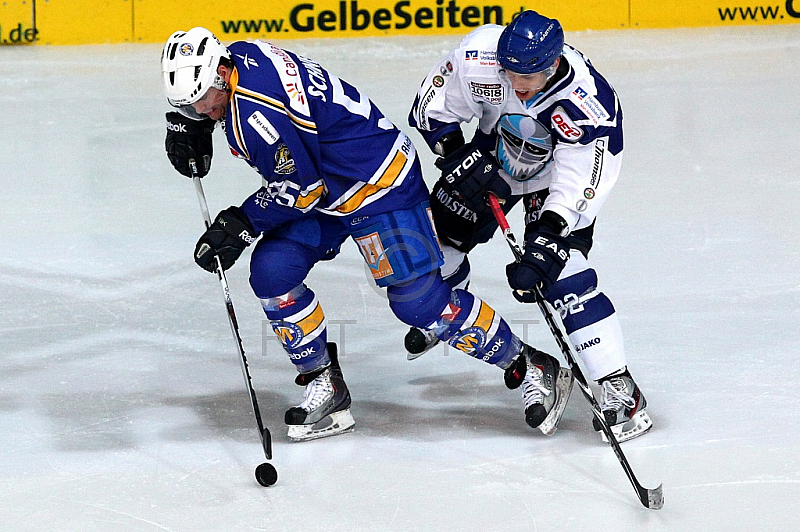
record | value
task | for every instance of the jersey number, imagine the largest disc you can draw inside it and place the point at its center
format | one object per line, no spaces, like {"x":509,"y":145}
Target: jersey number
{"x":361,"y":107}
{"x":570,"y":305}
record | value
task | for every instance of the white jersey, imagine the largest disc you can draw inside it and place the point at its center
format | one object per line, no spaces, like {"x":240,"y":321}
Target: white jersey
{"x":568,"y":139}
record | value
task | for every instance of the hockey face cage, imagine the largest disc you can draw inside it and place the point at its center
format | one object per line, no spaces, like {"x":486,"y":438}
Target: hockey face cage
{"x":189,"y":68}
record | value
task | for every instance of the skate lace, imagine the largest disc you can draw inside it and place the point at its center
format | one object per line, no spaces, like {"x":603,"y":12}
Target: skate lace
{"x":317,"y":392}
{"x":614,"y":395}
{"x":430,"y":336}
{"x":533,"y":388}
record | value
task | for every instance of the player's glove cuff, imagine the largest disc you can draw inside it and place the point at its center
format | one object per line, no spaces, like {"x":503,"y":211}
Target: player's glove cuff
{"x":227,"y":237}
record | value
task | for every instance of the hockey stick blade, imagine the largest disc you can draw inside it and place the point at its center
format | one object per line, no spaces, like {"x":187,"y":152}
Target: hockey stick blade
{"x":650,"y":498}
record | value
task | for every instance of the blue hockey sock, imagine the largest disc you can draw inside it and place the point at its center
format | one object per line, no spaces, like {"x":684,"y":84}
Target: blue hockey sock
{"x":473,"y":327}
{"x":298,"y":321}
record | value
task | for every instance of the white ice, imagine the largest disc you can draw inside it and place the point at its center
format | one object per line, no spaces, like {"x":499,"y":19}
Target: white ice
{"x":123,"y":407}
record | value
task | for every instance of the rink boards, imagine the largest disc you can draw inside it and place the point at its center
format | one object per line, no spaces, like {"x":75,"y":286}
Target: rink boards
{"x":152,"y":21}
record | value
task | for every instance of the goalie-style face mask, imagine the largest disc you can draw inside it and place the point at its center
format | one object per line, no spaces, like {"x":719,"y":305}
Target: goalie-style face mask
{"x":524,"y":146}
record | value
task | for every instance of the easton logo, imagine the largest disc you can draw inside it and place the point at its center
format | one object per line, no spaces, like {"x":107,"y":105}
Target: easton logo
{"x":468,"y":162}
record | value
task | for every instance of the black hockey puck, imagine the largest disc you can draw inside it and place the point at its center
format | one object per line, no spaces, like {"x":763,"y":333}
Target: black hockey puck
{"x":266,"y":474}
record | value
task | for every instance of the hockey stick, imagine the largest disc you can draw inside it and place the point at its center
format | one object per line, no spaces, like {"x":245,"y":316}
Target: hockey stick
{"x":265,"y":473}
{"x":650,"y":498}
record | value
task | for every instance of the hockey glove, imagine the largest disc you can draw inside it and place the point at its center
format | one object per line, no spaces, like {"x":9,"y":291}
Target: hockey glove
{"x":189,"y":139}
{"x":227,"y":237}
{"x":472,"y":172}
{"x":546,"y":254}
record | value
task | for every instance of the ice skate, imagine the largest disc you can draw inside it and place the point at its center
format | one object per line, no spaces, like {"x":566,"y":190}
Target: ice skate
{"x":545,"y":388}
{"x":623,"y":405}
{"x":325,"y":410}
{"x":419,"y":341}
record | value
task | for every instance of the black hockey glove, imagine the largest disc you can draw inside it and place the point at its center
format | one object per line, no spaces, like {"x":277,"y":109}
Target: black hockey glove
{"x":227,"y":237}
{"x":472,"y":172}
{"x":189,"y":139}
{"x":546,"y":254}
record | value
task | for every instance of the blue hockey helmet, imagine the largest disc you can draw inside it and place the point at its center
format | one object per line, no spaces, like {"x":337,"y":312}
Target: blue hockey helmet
{"x":530,"y":44}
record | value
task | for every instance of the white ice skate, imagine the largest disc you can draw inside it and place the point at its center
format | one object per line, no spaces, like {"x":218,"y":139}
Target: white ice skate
{"x":623,"y":405}
{"x":545,"y":388}
{"x":325,"y":410}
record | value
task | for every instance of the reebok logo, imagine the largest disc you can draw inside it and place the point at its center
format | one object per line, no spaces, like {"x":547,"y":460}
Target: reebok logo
{"x":302,"y":354}
{"x":244,"y":235}
{"x":177,"y":128}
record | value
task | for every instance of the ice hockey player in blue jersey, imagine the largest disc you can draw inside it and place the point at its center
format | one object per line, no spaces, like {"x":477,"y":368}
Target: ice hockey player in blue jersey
{"x":332,"y":167}
{"x":552,"y":125}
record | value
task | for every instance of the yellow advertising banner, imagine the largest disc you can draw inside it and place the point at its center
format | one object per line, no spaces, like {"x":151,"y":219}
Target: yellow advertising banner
{"x":84,"y":21}
{"x":116,"y":21}
{"x":682,"y":13}
{"x":252,"y":19}
{"x":17,"y":24}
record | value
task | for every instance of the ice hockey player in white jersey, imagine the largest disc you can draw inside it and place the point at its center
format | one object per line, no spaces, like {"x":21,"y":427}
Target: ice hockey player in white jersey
{"x":332,"y":167}
{"x":551,"y":125}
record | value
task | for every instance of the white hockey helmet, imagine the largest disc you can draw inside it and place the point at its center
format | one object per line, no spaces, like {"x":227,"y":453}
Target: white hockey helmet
{"x":189,"y":64}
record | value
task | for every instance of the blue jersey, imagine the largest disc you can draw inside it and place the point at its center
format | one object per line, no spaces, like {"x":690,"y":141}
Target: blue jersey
{"x":319,"y":144}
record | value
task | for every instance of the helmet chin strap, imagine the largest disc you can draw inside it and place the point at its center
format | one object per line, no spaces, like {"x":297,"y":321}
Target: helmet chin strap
{"x":220,"y":83}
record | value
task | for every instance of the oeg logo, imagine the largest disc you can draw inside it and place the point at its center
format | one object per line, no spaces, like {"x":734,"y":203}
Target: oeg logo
{"x":566,"y":127}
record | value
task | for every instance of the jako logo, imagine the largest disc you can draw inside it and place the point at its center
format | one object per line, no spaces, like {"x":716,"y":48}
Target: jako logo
{"x":587,"y":345}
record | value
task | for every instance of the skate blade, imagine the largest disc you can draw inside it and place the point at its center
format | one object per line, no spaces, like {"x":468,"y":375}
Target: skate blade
{"x":331,"y":425}
{"x":639,"y":424}
{"x":564,"y":383}
{"x":414,"y":356}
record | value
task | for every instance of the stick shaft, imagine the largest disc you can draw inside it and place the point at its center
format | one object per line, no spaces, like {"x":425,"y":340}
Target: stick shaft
{"x":264,"y":434}
{"x":650,"y":498}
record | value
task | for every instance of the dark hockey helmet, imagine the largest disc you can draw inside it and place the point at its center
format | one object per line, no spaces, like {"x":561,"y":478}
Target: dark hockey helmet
{"x":530,"y":44}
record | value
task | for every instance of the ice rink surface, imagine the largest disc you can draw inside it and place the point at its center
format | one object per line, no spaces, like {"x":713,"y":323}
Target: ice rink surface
{"x":122,"y":404}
